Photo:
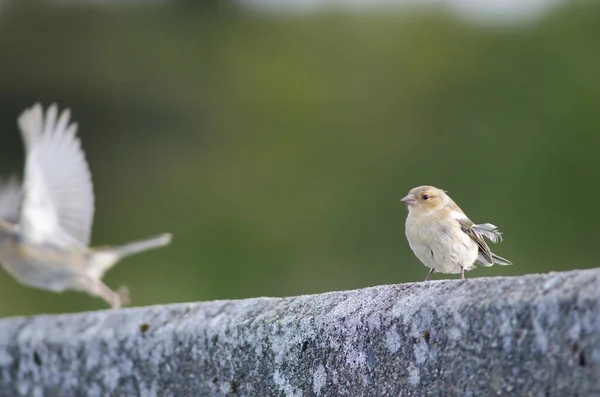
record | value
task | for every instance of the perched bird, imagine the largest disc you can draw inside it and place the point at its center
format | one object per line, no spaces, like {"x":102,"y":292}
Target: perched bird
{"x":45,"y":224}
{"x":443,"y":238}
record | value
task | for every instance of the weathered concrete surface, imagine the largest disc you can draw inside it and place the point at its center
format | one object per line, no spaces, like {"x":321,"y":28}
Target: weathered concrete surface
{"x":535,"y":335}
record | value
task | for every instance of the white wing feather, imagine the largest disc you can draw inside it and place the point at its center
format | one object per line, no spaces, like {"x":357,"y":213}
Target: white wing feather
{"x":488,"y":230}
{"x":58,"y":202}
{"x":10,"y":199}
{"x":31,"y":124}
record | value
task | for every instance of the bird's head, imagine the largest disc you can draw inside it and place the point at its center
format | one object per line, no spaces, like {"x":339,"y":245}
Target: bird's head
{"x":425,"y":199}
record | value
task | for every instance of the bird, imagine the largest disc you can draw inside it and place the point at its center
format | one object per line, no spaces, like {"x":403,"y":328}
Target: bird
{"x":46,"y":221}
{"x":443,"y":238}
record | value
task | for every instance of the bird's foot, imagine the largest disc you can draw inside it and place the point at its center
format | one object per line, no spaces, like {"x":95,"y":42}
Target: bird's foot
{"x":428,"y":278}
{"x":123,"y":296}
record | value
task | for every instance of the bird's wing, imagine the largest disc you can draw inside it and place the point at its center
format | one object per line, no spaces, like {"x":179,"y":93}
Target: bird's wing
{"x":10,"y":199}
{"x":466,"y":226}
{"x":31,"y":124}
{"x":490,"y":231}
{"x":58,"y":197}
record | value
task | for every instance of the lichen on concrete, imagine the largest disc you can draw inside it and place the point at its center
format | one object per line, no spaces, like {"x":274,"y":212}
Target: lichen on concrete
{"x":535,"y":335}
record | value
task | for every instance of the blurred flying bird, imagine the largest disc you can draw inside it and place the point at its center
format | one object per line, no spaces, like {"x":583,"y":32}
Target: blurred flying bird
{"x":443,"y":238}
{"x":46,"y":223}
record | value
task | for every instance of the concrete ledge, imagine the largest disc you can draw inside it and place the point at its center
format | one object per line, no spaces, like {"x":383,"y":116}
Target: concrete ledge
{"x":536,"y":335}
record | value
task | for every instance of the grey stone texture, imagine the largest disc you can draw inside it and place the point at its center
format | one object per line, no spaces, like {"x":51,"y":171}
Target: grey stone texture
{"x":535,"y":335}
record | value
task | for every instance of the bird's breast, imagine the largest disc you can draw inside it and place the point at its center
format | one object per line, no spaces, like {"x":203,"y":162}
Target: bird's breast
{"x":440,"y":244}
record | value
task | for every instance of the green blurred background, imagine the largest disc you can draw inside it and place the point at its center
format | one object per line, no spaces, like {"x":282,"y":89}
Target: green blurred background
{"x":275,"y":147}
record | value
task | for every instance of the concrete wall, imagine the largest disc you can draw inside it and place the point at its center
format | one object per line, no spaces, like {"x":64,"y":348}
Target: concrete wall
{"x":536,"y":335}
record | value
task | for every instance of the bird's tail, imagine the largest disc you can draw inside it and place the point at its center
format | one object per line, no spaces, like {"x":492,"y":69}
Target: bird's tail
{"x":500,"y":260}
{"x":143,"y":245}
{"x":483,"y":261}
{"x":101,"y":260}
{"x":493,"y":234}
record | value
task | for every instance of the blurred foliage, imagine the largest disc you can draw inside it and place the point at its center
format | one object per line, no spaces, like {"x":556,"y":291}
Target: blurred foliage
{"x":276,"y":148}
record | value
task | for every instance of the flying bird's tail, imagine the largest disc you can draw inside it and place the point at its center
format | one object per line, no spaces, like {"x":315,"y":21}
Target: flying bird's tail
{"x":101,"y":260}
{"x":143,"y":245}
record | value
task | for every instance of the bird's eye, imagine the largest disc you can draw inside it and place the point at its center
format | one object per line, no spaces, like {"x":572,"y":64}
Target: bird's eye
{"x":425,"y":197}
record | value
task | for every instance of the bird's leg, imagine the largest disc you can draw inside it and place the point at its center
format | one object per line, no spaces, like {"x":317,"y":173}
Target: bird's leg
{"x":111,"y":297}
{"x":462,"y":273}
{"x":428,"y":278}
{"x":97,"y":288}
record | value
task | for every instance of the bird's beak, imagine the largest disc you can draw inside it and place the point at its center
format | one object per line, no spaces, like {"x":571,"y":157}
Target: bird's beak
{"x":409,"y":200}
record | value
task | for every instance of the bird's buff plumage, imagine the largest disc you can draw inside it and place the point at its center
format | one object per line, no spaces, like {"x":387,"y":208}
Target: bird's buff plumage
{"x":443,"y":238}
{"x":46,"y":224}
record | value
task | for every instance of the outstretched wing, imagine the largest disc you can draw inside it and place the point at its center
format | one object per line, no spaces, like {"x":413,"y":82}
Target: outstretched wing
{"x":10,"y":199}
{"x":58,"y":197}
